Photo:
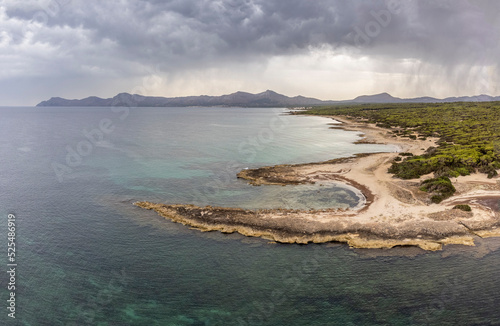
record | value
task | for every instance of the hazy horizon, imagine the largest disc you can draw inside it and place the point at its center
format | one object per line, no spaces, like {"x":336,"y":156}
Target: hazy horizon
{"x":264,"y":91}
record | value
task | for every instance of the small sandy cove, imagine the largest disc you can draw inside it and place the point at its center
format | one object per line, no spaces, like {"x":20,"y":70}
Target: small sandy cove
{"x":396,"y":212}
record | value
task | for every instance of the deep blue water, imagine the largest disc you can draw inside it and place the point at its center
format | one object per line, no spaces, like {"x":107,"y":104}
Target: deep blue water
{"x":87,"y":256}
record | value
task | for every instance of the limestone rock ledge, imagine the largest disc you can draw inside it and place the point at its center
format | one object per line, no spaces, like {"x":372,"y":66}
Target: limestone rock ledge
{"x":294,"y":226}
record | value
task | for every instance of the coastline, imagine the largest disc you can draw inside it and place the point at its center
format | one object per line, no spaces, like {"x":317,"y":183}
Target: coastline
{"x":396,"y":212}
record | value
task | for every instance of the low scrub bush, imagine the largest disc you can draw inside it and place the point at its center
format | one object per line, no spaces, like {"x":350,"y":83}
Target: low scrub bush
{"x":465,"y":208}
{"x":441,"y":188}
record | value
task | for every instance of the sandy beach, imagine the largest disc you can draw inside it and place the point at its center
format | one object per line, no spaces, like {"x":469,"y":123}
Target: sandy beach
{"x":396,"y":212}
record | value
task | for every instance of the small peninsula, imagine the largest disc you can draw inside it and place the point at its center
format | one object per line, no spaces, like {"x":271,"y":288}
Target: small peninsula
{"x":442,"y":188}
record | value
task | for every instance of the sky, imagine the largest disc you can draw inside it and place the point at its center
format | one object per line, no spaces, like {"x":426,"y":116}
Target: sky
{"x":327,"y":49}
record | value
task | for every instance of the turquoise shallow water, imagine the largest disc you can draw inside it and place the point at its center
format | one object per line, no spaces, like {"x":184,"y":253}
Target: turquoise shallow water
{"x":86,"y":256}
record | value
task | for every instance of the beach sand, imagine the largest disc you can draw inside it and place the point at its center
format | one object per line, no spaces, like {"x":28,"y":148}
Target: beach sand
{"x":396,"y":212}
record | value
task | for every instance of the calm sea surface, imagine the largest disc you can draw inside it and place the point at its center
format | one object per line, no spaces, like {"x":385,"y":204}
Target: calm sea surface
{"x":86,"y":256}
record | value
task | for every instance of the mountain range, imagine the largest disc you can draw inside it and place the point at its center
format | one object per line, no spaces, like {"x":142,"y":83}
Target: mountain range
{"x":243,"y":99}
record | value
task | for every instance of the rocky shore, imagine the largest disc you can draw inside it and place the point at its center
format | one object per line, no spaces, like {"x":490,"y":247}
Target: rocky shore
{"x":396,"y":213}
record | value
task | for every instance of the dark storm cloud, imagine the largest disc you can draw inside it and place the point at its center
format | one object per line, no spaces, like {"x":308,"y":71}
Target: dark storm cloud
{"x":126,"y":39}
{"x":184,"y":32}
{"x":455,"y":31}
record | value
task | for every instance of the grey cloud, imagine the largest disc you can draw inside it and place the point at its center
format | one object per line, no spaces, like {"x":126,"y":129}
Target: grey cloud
{"x":457,"y":32}
{"x":125,"y":38}
{"x":182,"y":31}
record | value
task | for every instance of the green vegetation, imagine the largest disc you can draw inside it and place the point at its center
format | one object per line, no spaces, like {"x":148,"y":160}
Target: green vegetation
{"x":465,"y":208}
{"x":468,"y":132}
{"x":440,"y":187}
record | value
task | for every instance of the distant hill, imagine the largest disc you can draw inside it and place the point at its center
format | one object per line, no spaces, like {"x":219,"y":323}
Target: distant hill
{"x":265,"y":99}
{"x":378,"y":98}
{"x":387,"y":98}
{"x":243,"y":99}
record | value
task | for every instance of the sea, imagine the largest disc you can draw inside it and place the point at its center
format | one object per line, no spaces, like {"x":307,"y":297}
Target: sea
{"x":85,"y":255}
